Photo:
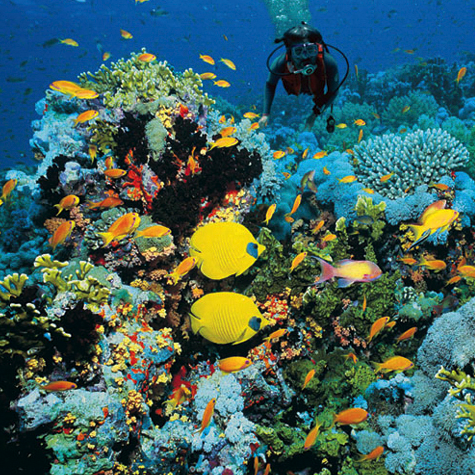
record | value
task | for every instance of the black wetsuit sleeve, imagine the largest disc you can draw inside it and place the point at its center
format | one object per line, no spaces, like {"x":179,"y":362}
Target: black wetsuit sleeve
{"x":333,"y":78}
{"x":271,"y":84}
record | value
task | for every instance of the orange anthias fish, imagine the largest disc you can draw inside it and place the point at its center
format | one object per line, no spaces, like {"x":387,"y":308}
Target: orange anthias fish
{"x":309,"y":376}
{"x":312,"y":436}
{"x":386,"y":177}
{"x":234,"y":363}
{"x":360,"y":136}
{"x":319,"y":155}
{"x":69,"y":42}
{"x":329,"y":237}
{"x":354,"y":415}
{"x":227,"y":131}
{"x":461,"y":74}
{"x":109,"y":202}
{"x":67,"y":203}
{"x":348,"y":271}
{"x":207,"y":415}
{"x":185,"y":266}
{"x":251,"y":115}
{"x":359,"y":122}
{"x":405,"y":109}
{"x":297,"y":260}
{"x":396,"y":363}
{"x":410,"y":261}
{"x":295,"y":206}
{"x":326,"y":171}
{"x":115,"y":173}
{"x":125,"y":34}
{"x":278,"y":154}
{"x":59,"y":386}
{"x":270,"y":213}
{"x":228,"y":63}
{"x":318,"y":226}
{"x":435,"y":265}
{"x":439,"y":186}
{"x":85,"y":116}
{"x":205,"y":76}
{"x":121,"y":228}
{"x":61,"y":234}
{"x":254,"y":126}
{"x":146,"y":57}
{"x":8,"y":187}
{"x":348,"y":179}
{"x":222,"y":83}
{"x":406,"y":335}
{"x":224,"y":142}
{"x":351,"y":356}
{"x":106,"y":55}
{"x":373,"y":455}
{"x":376,"y":327}
{"x":277,"y":334}
{"x":156,"y":231}
{"x":207,"y":59}
{"x":466,"y":271}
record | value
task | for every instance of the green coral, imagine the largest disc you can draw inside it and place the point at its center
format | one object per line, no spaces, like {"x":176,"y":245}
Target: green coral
{"x":156,"y":135}
{"x":13,"y":285}
{"x":365,"y":207}
{"x":103,"y":135}
{"x":74,"y":277}
{"x":396,"y":115}
{"x":129,"y":82}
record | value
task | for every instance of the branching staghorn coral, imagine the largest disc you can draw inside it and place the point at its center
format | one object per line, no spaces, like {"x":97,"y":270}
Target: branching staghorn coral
{"x":421,"y":157}
{"x":129,"y":82}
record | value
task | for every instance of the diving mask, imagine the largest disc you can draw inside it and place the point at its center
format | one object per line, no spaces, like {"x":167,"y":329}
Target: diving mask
{"x":304,"y":50}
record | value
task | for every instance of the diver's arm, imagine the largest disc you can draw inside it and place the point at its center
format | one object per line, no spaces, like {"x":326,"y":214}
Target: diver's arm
{"x":269,"y":91}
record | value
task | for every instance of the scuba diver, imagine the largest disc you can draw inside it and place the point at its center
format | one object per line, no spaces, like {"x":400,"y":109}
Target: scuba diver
{"x":307,"y":67}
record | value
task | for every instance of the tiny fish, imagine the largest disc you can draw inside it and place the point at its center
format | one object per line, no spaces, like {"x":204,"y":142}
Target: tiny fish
{"x":350,"y":416}
{"x":318,"y":226}
{"x":295,"y":206}
{"x":147,"y":57}
{"x":270,"y":212}
{"x":207,"y":415}
{"x":251,"y":115}
{"x":312,"y":436}
{"x":369,"y":190}
{"x":304,"y":154}
{"x":277,"y":334}
{"x":410,"y":261}
{"x":461,"y":73}
{"x":85,"y":116}
{"x":407,"y":334}
{"x":61,"y":234}
{"x":386,"y":177}
{"x":341,"y":126}
{"x":297,"y":260}
{"x":278,"y":154}
{"x":227,"y":131}
{"x":376,"y":327}
{"x":59,"y":386}
{"x":115,"y":173}
{"x":309,"y":376}
{"x":356,"y":71}
{"x":373,"y":455}
{"x":222,"y":83}
{"x":396,"y":363}
{"x":321,"y":154}
{"x":69,"y":41}
{"x":207,"y":59}
{"x":233,"y":364}
{"x":329,"y":237}
{"x":156,"y":231}
{"x":351,"y":356}
{"x":208,"y":76}
{"x":348,"y":179}
{"x":125,"y":34}
{"x":360,"y":135}
{"x":405,"y":109}
{"x":359,"y":122}
{"x":224,"y":142}
{"x":228,"y":63}
{"x":67,"y":203}
{"x":8,"y":187}
{"x":365,"y":220}
{"x":183,"y":268}
{"x":326,"y":171}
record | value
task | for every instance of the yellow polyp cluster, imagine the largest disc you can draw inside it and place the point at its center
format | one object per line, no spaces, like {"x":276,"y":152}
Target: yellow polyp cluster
{"x":163,"y":339}
{"x":164,"y":114}
{"x":69,"y":418}
{"x":276,"y":307}
{"x":133,"y":405}
{"x":177,"y":348}
{"x":163,"y":378}
{"x":296,"y":301}
{"x":34,"y":366}
{"x":140,"y":284}
{"x":316,"y":329}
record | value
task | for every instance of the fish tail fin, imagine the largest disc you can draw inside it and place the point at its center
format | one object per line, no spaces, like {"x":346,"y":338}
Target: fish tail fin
{"x":328,"y":271}
{"x":332,"y":425}
{"x":418,"y":231}
{"x":59,"y":209}
{"x":107,"y":238}
{"x":377,"y":366}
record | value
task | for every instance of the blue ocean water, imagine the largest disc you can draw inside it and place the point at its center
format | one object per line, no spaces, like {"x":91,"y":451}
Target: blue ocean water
{"x":367,"y":32}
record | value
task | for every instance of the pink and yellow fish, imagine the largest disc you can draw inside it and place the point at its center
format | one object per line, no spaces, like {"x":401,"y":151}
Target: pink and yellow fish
{"x":349,"y":271}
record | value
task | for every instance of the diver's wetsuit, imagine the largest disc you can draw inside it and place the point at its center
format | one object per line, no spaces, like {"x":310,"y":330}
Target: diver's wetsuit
{"x":279,"y":66}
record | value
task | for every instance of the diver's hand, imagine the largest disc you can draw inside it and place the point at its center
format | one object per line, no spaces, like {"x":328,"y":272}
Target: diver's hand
{"x":263,"y":121}
{"x":310,"y":121}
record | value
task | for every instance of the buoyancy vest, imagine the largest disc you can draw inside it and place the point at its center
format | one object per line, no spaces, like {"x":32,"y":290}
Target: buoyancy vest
{"x":293,"y":82}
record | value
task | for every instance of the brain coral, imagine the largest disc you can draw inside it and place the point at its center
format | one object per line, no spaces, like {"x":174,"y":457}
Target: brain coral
{"x":421,"y":157}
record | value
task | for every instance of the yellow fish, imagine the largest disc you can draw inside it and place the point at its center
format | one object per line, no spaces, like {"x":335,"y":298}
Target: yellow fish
{"x":222,"y":83}
{"x":304,"y":154}
{"x":85,"y":116}
{"x":373,"y":455}
{"x":207,"y":59}
{"x":461,"y":74}
{"x":61,"y":234}
{"x":65,"y":87}
{"x":278,"y":154}
{"x":146,"y":57}
{"x":156,"y":231}
{"x":318,"y":226}
{"x":386,"y":177}
{"x":269,"y":213}
{"x":82,"y":93}
{"x":309,"y":376}
{"x":376,"y":327}
{"x":297,"y":260}
{"x":109,"y":202}
{"x":329,"y":237}
{"x":185,"y":266}
{"x":251,"y":115}
{"x":114,"y":173}
{"x":207,"y":415}
{"x":106,"y":55}
{"x":208,"y":76}
{"x":354,"y":415}
{"x":224,"y":142}
{"x":121,"y":228}
{"x":8,"y":187}
{"x":223,"y":249}
{"x":254,"y":126}
{"x":396,"y":363}
{"x":341,"y":126}
{"x":359,"y":122}
{"x":276,"y":334}
{"x":405,"y":109}
{"x":226,"y":318}
{"x":125,"y":34}
{"x":348,"y":179}
{"x":67,"y":203}
{"x":360,"y":136}
{"x":407,"y":334}
{"x":234,"y":363}
{"x":228,"y":63}
{"x":326,"y":171}
{"x":69,"y":41}
{"x":287,"y":175}
{"x":227,"y":131}
{"x":348,"y":271}
{"x":369,"y":190}
{"x":312,"y":436}
{"x":295,"y":206}
{"x":321,"y":154}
